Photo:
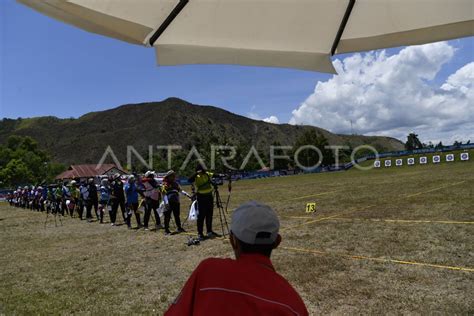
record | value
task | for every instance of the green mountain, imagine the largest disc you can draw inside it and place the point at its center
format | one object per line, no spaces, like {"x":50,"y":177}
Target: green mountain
{"x":172,"y":121}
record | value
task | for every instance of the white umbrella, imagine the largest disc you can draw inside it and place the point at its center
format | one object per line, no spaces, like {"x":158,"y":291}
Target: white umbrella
{"x":299,"y":34}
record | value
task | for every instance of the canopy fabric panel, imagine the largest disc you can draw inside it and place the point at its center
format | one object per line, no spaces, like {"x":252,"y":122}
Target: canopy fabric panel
{"x":281,"y":33}
{"x":390,"y":23}
{"x":296,"y":34}
{"x":127,"y":20}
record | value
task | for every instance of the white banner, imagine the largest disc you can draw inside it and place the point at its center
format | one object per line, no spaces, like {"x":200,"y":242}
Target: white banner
{"x":377,"y":163}
{"x":388,"y":163}
{"x":423,"y":160}
{"x":450,"y":157}
{"x":411,"y":161}
{"x":399,"y":162}
{"x":464,"y":156}
{"x":436,"y":159}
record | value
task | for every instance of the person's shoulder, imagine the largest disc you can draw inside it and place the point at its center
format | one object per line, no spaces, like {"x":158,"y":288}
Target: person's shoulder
{"x":215,"y":261}
{"x":211,"y":264}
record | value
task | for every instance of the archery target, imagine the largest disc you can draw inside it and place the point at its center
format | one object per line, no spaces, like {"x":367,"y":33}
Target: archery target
{"x":377,"y":163}
{"x":388,"y":163}
{"x":399,"y":162}
{"x":450,"y":157}
{"x":423,"y":160}
{"x":436,"y":159}
{"x":411,"y":161}
{"x":464,"y":156}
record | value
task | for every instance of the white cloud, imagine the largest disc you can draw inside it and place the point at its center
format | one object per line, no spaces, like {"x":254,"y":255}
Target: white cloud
{"x":393,"y":95}
{"x":254,"y":116}
{"x":272,"y":119}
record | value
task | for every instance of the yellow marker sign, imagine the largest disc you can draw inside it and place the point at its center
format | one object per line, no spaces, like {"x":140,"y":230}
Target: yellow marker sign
{"x":310,"y":207}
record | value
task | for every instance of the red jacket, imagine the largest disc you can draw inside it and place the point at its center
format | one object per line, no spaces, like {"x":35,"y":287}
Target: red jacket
{"x":247,"y":286}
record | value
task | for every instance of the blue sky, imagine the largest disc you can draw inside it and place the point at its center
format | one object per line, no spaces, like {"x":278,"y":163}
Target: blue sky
{"x":64,"y":71}
{"x":50,"y":68}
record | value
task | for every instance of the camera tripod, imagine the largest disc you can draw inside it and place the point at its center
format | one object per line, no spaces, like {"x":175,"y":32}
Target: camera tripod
{"x":53,"y":209}
{"x":222,"y":211}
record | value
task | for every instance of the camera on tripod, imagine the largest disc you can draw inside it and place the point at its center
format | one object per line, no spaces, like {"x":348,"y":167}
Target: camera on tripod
{"x":218,"y":179}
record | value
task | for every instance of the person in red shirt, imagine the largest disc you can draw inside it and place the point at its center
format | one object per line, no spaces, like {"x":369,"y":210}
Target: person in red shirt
{"x":248,"y":285}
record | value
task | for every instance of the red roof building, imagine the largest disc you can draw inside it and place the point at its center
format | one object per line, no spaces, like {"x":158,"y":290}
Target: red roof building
{"x":89,"y":171}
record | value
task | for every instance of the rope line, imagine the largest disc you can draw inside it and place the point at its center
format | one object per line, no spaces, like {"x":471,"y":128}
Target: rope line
{"x":358,"y":257}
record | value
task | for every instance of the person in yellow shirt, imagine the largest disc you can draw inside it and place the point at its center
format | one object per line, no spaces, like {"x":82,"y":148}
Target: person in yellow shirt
{"x":202,"y":181}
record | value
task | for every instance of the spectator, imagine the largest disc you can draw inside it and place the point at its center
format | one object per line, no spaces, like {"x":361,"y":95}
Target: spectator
{"x":248,"y":285}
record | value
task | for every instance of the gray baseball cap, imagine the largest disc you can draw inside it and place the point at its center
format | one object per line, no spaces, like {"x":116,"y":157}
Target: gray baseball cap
{"x":255,"y":224}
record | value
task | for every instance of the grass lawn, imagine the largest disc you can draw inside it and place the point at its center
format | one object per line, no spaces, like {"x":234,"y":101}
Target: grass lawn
{"x":388,"y":240}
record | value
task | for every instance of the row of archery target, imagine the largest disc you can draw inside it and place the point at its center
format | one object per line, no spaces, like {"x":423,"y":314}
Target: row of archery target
{"x":421,"y":160}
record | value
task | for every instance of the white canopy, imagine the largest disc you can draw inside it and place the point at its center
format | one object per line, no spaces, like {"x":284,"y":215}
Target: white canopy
{"x":299,"y":34}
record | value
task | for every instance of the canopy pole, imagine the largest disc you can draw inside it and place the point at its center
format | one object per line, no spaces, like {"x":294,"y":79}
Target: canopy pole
{"x":177,"y":9}
{"x":342,"y":26}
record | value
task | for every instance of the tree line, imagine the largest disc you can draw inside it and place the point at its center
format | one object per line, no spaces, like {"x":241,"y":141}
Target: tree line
{"x":22,"y":162}
{"x":307,"y":157}
{"x":413,"y":142}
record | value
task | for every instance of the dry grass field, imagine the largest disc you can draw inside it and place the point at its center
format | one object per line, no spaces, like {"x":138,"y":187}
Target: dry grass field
{"x":396,"y":240}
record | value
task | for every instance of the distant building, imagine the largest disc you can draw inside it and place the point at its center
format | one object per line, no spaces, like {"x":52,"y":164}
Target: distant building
{"x":84,"y":172}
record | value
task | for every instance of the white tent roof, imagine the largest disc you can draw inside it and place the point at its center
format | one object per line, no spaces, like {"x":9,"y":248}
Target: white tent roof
{"x":282,"y":33}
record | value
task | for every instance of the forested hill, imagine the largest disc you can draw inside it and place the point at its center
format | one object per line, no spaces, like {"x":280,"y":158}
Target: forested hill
{"x":172,"y":121}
